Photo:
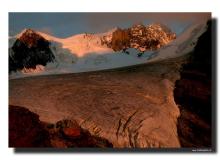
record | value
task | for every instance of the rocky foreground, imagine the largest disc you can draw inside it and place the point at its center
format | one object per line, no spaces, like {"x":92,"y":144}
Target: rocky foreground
{"x":26,"y":130}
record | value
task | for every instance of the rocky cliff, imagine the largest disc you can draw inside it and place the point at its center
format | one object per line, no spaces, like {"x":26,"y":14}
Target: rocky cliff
{"x":193,"y":94}
{"x":150,"y":37}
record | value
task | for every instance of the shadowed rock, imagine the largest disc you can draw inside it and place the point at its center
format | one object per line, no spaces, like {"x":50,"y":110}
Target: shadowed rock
{"x":26,"y":130}
{"x":193,"y":94}
{"x":28,"y":51}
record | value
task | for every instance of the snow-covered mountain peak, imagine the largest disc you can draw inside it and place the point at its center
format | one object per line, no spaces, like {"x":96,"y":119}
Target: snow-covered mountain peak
{"x":138,"y":36}
{"x":28,"y":31}
{"x":22,"y":32}
{"x":49,"y":37}
{"x":30,"y":38}
{"x":112,"y":49}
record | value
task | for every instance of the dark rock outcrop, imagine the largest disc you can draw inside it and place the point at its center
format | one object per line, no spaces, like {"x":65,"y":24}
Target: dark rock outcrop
{"x":68,"y":133}
{"x":193,"y":95}
{"x":26,"y":130}
{"x":29,"y":50}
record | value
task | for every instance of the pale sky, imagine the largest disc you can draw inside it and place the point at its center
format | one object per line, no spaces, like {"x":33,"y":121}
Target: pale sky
{"x":67,"y":24}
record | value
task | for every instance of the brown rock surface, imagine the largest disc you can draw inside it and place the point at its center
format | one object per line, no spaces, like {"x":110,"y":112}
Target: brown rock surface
{"x":25,"y":129}
{"x":71,"y":132}
{"x":67,"y":133}
{"x":150,"y":37}
{"x":31,"y":38}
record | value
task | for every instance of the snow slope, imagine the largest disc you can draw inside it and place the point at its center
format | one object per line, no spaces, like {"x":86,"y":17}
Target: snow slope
{"x":80,"y":44}
{"x":84,"y":52}
{"x":184,"y":44}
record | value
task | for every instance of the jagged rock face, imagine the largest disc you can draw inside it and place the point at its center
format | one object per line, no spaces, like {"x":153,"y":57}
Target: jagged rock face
{"x":120,"y":39}
{"x":28,"y":51}
{"x":193,"y":94}
{"x":158,"y":35}
{"x":140,"y":37}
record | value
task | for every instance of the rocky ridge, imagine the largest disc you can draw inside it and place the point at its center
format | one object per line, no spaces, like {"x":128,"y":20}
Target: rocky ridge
{"x":150,"y":37}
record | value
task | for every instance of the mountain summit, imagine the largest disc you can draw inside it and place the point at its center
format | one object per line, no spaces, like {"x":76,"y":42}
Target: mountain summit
{"x":29,"y":51}
{"x":141,"y":37}
{"x":31,"y":38}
